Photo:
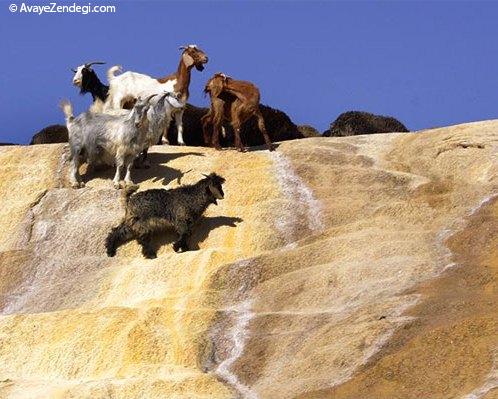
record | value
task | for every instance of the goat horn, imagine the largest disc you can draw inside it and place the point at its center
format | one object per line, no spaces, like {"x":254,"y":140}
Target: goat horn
{"x":182,"y":48}
{"x":74,"y":70}
{"x":203,"y":174}
{"x":149,"y":98}
{"x":94,"y":63}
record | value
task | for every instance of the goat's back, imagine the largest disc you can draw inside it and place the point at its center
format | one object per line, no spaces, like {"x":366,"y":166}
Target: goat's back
{"x":134,"y":85}
{"x":97,"y":131}
{"x":175,"y":204}
{"x":242,"y":87}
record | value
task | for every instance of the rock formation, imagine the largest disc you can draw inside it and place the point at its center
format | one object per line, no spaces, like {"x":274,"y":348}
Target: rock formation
{"x":308,"y":131}
{"x":358,"y":267}
{"x":51,"y":134}
{"x":353,"y":123}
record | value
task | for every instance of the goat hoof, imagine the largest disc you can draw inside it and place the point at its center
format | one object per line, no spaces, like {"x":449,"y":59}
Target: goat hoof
{"x":111,"y":253}
{"x":150,"y":255}
{"x":77,"y":185}
{"x":242,"y":149}
{"x":117,"y":186}
{"x":271,"y":148}
{"x":177,"y":247}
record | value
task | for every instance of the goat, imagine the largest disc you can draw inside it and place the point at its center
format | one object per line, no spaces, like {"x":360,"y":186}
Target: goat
{"x":353,"y":123}
{"x":159,"y":117}
{"x":236,"y":101}
{"x":87,"y":80}
{"x":153,"y":210}
{"x":102,"y":138}
{"x":129,"y":85}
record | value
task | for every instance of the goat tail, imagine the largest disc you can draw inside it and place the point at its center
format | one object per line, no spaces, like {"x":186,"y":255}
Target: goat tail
{"x":118,"y":236}
{"x":97,"y":107}
{"x":127,"y":192}
{"x":112,"y":70}
{"x":67,"y":108}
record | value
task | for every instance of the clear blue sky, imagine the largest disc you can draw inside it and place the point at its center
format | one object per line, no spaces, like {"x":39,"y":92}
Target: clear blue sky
{"x":426,"y":63}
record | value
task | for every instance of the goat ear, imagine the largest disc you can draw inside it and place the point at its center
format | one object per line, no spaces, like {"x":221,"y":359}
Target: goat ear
{"x":187,"y":59}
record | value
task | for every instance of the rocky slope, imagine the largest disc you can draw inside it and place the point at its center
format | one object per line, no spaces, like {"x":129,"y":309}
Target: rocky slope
{"x":359,"y":267}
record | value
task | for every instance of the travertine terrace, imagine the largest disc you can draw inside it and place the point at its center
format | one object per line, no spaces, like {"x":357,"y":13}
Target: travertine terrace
{"x":358,"y":267}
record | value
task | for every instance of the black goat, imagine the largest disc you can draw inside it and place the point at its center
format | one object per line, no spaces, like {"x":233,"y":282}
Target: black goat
{"x":353,"y":123}
{"x":88,"y":82}
{"x":157,"y":209}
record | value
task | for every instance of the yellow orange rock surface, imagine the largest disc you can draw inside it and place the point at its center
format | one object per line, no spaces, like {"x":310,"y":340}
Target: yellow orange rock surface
{"x":327,"y":271}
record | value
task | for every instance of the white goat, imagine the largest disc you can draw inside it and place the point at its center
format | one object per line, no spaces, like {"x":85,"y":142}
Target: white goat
{"x":128,"y":86}
{"x":159,"y":117}
{"x":102,"y":138}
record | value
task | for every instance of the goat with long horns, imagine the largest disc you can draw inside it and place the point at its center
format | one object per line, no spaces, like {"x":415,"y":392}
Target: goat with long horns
{"x":87,"y":80}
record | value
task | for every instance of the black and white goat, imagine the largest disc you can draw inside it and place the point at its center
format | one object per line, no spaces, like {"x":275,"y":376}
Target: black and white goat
{"x":87,"y":80}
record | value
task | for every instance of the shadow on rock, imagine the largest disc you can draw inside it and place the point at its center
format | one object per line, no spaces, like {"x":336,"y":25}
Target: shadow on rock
{"x":199,"y":233}
{"x":158,"y":172}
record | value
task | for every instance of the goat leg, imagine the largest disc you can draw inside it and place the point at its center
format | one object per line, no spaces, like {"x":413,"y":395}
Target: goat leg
{"x":147,"y":249}
{"x":179,"y":126}
{"x":75,"y":177}
{"x":117,"y":176}
{"x":238,"y":141}
{"x":262,"y":128}
{"x":181,"y":244}
{"x":129,"y":163}
{"x":206,"y":121}
{"x":216,"y":136}
{"x":164,"y":137}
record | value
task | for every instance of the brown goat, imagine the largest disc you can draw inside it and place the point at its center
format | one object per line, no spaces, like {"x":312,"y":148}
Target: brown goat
{"x":192,"y":56}
{"x":235,"y":101}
